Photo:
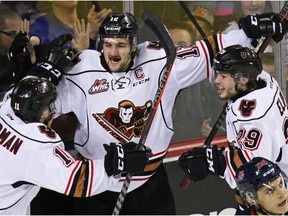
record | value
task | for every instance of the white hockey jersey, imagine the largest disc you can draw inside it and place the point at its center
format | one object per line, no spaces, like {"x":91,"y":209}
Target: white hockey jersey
{"x":32,"y":156}
{"x":112,"y":107}
{"x":257,"y":124}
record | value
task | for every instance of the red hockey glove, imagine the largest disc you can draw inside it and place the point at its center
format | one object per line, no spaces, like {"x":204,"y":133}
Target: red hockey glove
{"x":199,"y":162}
{"x":125,"y":158}
{"x":267,"y":24}
{"x":57,"y":61}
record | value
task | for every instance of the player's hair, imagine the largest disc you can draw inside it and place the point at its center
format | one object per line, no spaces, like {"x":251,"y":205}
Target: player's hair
{"x":238,"y":61}
{"x":117,"y":25}
{"x":30,"y":96}
{"x":255,"y":174}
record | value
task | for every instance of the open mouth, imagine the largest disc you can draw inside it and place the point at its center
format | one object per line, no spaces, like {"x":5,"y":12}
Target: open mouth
{"x":115,"y":59}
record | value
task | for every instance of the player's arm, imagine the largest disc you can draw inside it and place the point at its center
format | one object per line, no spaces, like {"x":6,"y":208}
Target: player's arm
{"x":54,"y":168}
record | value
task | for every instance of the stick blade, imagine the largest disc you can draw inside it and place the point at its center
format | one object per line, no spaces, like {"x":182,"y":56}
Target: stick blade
{"x":161,"y":32}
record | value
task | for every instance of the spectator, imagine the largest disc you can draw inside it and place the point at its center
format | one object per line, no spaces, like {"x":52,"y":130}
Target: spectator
{"x":26,"y":9}
{"x":61,"y":18}
{"x":204,"y":17}
{"x":10,"y":24}
{"x":263,"y":186}
{"x":180,"y":32}
{"x":239,"y":9}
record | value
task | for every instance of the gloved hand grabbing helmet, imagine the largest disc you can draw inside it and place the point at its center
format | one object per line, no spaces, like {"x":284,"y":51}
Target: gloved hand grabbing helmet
{"x":126,"y":158}
{"x":267,"y":24}
{"x":199,"y":162}
{"x":58,"y":60}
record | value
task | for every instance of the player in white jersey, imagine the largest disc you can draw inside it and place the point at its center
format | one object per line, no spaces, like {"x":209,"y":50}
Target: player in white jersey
{"x":32,"y":154}
{"x":256,"y":119}
{"x":111,"y":93}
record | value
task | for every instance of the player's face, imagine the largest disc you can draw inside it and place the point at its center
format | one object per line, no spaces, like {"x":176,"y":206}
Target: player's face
{"x":47,"y":114}
{"x":8,"y":34}
{"x":252,"y":7}
{"x":117,"y":53}
{"x":225,"y":85}
{"x":180,"y":37}
{"x":273,"y":197}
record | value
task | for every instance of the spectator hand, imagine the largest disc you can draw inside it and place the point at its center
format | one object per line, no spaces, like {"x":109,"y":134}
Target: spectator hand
{"x":268,"y":24}
{"x":199,"y":162}
{"x":81,"y":40}
{"x":206,"y":127}
{"x":125,"y":158}
{"x":95,"y":19}
{"x":57,"y":61}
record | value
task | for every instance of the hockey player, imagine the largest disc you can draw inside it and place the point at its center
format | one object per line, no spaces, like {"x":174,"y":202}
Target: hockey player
{"x":127,"y":73}
{"x":263,"y":186}
{"x":33,"y":155}
{"x":255,"y":101}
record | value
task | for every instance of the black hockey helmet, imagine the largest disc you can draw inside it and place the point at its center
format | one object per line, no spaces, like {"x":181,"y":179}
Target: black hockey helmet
{"x":30,"y":96}
{"x":253,"y":175}
{"x":119,"y":25}
{"x":238,"y":61}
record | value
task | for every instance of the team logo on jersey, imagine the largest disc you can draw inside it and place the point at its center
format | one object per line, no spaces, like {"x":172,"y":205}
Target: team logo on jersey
{"x":121,"y":83}
{"x":246,"y":107}
{"x":124,"y":122}
{"x":99,"y":86}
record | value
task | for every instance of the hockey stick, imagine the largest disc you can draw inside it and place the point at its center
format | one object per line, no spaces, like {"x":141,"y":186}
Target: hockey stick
{"x":159,"y":29}
{"x":282,"y":15}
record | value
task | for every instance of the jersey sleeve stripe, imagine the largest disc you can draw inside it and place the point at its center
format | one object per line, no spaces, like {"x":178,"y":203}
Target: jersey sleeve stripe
{"x":235,"y":158}
{"x":206,"y":57}
{"x":91,"y":173}
{"x":71,"y":177}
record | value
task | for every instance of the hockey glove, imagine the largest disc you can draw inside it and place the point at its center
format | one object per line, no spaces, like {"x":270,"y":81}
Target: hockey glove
{"x":199,"y":162}
{"x":125,"y":158}
{"x":57,"y":61}
{"x":267,"y":24}
{"x":19,"y":56}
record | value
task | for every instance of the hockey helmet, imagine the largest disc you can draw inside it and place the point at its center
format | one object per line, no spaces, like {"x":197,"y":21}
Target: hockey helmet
{"x":253,"y":175}
{"x":238,"y":61}
{"x":119,"y":25}
{"x":30,"y":96}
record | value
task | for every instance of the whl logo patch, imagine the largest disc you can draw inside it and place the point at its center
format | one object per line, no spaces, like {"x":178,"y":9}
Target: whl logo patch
{"x":99,"y":86}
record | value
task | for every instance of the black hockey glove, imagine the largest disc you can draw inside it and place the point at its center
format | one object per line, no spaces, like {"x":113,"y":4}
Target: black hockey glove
{"x":199,"y":162}
{"x":57,"y":61}
{"x":125,"y":158}
{"x":19,"y":56}
{"x":267,"y":24}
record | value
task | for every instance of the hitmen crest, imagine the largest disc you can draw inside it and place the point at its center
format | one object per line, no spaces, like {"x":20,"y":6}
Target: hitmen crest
{"x":246,"y":107}
{"x":124,"y":122}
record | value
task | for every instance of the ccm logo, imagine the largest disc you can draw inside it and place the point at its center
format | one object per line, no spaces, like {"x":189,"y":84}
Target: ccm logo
{"x":50,"y":68}
{"x":120,"y":157}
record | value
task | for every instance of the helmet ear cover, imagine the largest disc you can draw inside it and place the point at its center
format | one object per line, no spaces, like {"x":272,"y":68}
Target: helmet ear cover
{"x":31,"y":96}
